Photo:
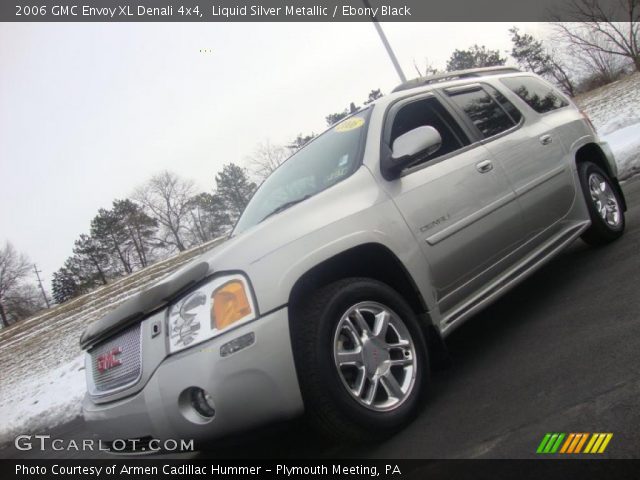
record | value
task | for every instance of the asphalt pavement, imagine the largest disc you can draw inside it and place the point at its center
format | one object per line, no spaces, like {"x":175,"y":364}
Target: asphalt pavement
{"x":559,"y":353}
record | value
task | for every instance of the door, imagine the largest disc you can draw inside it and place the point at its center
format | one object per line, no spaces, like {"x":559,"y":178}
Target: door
{"x":459,"y":206}
{"x":534,"y":159}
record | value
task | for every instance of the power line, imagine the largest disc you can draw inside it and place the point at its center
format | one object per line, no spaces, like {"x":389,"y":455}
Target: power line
{"x":44,"y":295}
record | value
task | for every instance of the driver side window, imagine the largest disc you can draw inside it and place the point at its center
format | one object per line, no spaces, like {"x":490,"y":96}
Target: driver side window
{"x":429,"y":112}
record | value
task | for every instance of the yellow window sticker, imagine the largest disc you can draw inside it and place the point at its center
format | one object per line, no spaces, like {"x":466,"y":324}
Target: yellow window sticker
{"x":350,"y":124}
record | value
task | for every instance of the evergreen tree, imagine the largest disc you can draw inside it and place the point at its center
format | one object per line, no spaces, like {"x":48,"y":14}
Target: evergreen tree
{"x":81,"y":273}
{"x":109,"y":235}
{"x":140,"y":228}
{"x":373,"y":95}
{"x":90,"y":261}
{"x":300,"y":141}
{"x":234,"y":190}
{"x":334,"y":118}
{"x":474,"y":57}
{"x":65,"y":285}
{"x":209,"y":219}
{"x":531,"y":55}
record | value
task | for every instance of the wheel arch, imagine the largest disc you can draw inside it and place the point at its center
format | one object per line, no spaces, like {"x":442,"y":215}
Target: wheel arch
{"x":592,"y":152}
{"x":371,"y":260}
{"x":375,"y":261}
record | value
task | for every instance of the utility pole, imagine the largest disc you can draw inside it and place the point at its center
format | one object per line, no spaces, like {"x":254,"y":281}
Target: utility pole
{"x":44,"y":295}
{"x":386,"y":44}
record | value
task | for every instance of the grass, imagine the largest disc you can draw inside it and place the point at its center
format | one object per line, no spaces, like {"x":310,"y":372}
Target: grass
{"x":51,"y":337}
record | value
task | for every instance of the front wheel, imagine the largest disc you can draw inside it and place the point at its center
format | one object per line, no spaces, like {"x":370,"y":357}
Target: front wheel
{"x":361,"y":358}
{"x":604,"y":204}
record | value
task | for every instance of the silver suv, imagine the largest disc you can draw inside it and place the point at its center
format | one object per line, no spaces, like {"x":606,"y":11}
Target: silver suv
{"x":353,"y":261}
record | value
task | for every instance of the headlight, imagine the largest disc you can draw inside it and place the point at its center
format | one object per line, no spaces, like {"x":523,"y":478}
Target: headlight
{"x":207,"y":311}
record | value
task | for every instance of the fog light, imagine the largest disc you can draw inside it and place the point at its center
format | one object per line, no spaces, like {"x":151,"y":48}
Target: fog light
{"x":202,"y":402}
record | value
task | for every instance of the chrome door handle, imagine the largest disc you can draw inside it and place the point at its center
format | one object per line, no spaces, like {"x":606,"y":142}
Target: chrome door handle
{"x":546,"y":139}
{"x":484,"y":166}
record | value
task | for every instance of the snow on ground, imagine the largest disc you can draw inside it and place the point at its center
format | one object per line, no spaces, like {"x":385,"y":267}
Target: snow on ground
{"x":625,"y":144}
{"x":615,"y":111}
{"x":50,"y":398}
{"x":42,"y":375}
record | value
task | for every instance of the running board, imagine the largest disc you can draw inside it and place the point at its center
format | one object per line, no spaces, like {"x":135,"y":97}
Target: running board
{"x":512,"y":277}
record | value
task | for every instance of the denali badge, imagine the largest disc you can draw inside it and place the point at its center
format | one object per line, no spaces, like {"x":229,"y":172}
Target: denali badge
{"x":108,"y":360}
{"x":435,"y":223}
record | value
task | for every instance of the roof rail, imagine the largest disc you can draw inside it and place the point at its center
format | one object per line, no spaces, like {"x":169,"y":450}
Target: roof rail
{"x":455,"y":75}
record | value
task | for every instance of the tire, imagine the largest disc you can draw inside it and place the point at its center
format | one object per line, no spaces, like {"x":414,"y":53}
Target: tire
{"x":327,"y":330}
{"x":604,"y":205}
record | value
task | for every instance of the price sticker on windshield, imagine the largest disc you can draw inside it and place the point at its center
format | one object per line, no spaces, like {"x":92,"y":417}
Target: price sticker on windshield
{"x":350,"y":124}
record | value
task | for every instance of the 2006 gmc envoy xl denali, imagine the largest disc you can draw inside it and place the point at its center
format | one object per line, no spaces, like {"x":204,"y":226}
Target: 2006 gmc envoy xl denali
{"x":354,"y":260}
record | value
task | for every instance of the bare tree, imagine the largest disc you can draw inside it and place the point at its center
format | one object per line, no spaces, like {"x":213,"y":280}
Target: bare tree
{"x":429,"y":68}
{"x":23,"y":301}
{"x":167,"y":198}
{"x":560,"y":73}
{"x":14,"y":267}
{"x":266,"y":157}
{"x":595,"y":26}
{"x":597,"y":66}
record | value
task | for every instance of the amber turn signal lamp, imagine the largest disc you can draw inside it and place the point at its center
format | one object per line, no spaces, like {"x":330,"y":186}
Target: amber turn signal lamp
{"x":230,"y":304}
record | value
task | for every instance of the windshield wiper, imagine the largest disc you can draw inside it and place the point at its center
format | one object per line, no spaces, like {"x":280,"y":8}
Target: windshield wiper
{"x":284,"y":206}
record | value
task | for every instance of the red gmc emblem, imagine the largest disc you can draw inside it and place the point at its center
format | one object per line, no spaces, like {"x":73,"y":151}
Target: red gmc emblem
{"x":109,"y":360}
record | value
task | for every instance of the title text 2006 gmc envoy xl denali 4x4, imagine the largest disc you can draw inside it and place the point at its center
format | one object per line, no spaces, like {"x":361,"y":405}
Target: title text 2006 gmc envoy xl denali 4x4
{"x":353,"y":261}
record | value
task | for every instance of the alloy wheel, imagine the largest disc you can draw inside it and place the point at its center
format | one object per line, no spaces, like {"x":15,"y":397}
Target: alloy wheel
{"x":604,"y":200}
{"x":375,"y":356}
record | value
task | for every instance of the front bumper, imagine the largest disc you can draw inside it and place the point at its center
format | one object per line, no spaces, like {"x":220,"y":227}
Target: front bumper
{"x":250,"y":387}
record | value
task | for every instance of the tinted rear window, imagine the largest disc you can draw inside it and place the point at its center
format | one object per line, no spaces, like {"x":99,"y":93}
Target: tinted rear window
{"x":537,"y":94}
{"x":484,"y":111}
{"x":509,"y":107}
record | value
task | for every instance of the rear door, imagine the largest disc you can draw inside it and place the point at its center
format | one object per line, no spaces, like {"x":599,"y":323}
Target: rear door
{"x":460,"y":208}
{"x":533,"y":157}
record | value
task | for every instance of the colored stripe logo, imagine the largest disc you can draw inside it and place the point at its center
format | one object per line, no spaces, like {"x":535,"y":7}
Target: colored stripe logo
{"x":574,"y":443}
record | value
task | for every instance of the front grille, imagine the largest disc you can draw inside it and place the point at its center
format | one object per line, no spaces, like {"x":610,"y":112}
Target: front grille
{"x":121,"y":360}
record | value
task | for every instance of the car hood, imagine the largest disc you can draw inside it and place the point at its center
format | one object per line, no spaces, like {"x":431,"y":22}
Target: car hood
{"x":144,"y":303}
{"x":243,"y":252}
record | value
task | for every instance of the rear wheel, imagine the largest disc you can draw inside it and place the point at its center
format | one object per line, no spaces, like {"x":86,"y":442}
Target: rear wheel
{"x":604,"y":204}
{"x":361,"y":358}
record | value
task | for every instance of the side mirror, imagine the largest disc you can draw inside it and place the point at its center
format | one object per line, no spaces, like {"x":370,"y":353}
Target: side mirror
{"x":409,"y":147}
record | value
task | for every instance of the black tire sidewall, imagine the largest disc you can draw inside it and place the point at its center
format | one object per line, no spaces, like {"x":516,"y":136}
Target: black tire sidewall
{"x":347,"y":408}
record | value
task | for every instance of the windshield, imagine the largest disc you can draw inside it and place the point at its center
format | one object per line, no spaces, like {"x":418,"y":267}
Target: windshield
{"x":325,"y":161}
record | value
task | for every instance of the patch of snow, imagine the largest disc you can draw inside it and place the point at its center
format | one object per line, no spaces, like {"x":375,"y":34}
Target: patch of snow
{"x":625,"y":144}
{"x":39,"y":402}
{"x":42,"y":378}
{"x":618,"y":123}
{"x":615,"y":112}
{"x":617,"y":100}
